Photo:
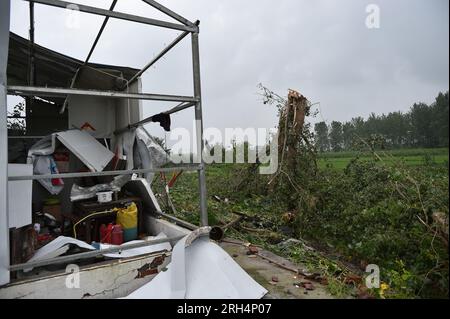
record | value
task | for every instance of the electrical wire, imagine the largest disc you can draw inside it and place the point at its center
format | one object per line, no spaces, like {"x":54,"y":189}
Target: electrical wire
{"x":89,"y":216}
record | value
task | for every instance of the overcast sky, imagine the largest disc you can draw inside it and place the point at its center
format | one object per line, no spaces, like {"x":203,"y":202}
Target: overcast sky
{"x":321,"y":48}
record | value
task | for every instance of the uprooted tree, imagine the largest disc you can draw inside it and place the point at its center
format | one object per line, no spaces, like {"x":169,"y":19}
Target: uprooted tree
{"x":297,"y":161}
{"x":376,"y":210}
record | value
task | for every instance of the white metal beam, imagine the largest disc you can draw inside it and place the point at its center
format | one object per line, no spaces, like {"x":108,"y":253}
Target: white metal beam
{"x":45,"y":91}
{"x":189,"y":168}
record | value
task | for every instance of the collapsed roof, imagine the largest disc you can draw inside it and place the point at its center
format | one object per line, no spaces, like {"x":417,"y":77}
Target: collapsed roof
{"x":52,"y":69}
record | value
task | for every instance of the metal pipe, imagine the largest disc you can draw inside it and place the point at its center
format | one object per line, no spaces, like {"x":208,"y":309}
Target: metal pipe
{"x":72,"y":84}
{"x":176,"y":109}
{"x":218,"y":233}
{"x":169,"y":12}
{"x":26,"y":137}
{"x":178,"y":221}
{"x":92,"y":254}
{"x":102,"y":28}
{"x":31,"y":64}
{"x":192,"y":168}
{"x":158,"y":57}
{"x":117,"y":15}
{"x":44,"y":91}
{"x":32,"y":75}
{"x":199,"y":129}
{"x":94,"y":45}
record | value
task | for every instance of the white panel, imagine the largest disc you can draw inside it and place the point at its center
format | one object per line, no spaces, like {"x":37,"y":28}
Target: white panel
{"x":19,"y":196}
{"x":56,"y":248}
{"x":93,"y":154}
{"x":99,"y":113}
{"x":201,"y":271}
{"x":123,"y":117}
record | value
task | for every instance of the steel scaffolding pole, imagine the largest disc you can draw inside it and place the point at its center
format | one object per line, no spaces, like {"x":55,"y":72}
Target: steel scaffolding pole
{"x":117,"y":15}
{"x":191,"y":168}
{"x":169,"y":12}
{"x":158,"y":57}
{"x":199,"y":128}
{"x":46,"y":91}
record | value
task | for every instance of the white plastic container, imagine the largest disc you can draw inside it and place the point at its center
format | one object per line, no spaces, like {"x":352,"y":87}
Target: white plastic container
{"x":104,"y":197}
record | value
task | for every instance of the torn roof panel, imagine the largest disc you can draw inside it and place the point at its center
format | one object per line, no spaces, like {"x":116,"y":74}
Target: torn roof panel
{"x":53,"y":69}
{"x":93,"y":154}
{"x":201,"y":271}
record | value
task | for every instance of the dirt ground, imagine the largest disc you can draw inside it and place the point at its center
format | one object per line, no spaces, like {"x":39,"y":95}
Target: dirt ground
{"x":281,"y":283}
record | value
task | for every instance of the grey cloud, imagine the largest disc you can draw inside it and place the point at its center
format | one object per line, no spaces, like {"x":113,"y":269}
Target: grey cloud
{"x":320,"y":47}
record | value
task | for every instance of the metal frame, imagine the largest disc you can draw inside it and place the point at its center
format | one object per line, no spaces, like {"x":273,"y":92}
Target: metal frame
{"x":34,"y":90}
{"x":93,"y":254}
{"x":191,"y":168}
{"x":176,"y":109}
{"x":186,"y":26}
{"x":117,"y":15}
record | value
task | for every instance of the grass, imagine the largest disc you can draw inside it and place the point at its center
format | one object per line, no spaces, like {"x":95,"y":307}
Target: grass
{"x":410,"y":157}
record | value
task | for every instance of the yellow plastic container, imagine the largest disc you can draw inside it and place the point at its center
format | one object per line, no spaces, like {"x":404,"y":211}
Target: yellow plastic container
{"x":128,"y":219}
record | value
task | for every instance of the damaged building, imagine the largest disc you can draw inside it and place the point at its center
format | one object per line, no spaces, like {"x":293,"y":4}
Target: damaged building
{"x":76,"y":178}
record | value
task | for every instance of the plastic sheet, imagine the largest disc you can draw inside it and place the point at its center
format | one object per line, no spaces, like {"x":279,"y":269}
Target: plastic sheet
{"x":148,"y":154}
{"x":44,"y":165}
{"x":81,"y":193}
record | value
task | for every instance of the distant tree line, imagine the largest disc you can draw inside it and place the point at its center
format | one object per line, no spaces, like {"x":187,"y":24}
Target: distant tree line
{"x":423,"y":126}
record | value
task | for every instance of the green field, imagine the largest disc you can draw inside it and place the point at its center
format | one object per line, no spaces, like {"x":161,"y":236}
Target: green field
{"x":410,"y":157}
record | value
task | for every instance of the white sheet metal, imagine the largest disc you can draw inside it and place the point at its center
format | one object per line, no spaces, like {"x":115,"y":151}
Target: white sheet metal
{"x":201,"y":271}
{"x":19,"y":196}
{"x":56,"y":248}
{"x":96,"y":112}
{"x":139,"y":251}
{"x":141,"y":187}
{"x":93,"y":154}
{"x":62,"y":244}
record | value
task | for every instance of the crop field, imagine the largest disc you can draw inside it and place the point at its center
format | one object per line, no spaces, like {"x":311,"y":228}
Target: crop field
{"x":410,"y":157}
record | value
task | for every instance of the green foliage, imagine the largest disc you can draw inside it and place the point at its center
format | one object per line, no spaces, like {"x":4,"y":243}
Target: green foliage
{"x":321,"y":137}
{"x":365,"y":213}
{"x":376,"y":209}
{"x":16,"y":122}
{"x":336,"y":136}
{"x":382,"y":214}
{"x":423,"y":126}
